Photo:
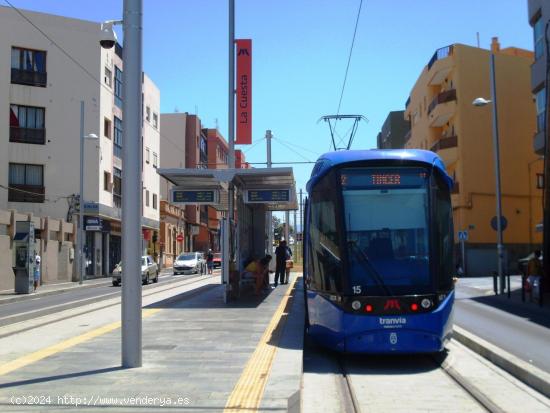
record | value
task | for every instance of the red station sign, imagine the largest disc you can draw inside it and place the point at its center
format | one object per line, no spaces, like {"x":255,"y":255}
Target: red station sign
{"x":243,"y":111}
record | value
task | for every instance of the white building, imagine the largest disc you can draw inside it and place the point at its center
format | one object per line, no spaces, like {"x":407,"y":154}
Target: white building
{"x":40,"y":139}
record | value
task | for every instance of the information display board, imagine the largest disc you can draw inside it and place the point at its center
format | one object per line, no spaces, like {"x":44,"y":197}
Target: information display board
{"x":200,"y":197}
{"x":261,"y":196}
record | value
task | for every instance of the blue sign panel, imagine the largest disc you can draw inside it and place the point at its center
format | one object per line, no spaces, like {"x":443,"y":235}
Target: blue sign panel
{"x":268,"y":195}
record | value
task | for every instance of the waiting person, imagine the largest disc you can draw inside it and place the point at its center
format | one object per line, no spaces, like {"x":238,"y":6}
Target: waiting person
{"x":534,"y":274}
{"x":210,"y":261}
{"x":36,"y":271}
{"x":281,"y":254}
{"x":289,"y":264}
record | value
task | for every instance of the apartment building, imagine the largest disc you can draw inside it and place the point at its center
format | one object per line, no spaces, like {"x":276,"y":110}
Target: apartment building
{"x":539,"y":15}
{"x":444,"y":120}
{"x":173,"y":221}
{"x":39,"y":154}
{"x":394,"y":131}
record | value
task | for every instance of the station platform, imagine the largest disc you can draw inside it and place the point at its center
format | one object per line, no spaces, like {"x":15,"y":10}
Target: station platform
{"x":199,"y":354}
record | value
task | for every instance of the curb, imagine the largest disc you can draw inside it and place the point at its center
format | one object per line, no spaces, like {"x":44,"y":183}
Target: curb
{"x":23,"y":297}
{"x":521,"y":370}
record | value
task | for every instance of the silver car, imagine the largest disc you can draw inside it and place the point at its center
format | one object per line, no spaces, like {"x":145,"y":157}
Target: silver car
{"x":149,"y":271}
{"x":189,"y":263}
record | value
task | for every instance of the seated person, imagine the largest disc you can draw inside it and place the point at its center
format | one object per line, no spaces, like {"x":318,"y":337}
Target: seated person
{"x":263,"y":281}
{"x":259,"y":271}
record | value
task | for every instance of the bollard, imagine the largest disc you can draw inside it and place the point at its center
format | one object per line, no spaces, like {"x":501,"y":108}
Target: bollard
{"x":508,"y":281}
{"x":495,"y":286}
{"x":523,"y":280}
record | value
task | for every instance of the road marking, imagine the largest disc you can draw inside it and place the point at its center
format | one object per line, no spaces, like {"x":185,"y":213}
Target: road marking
{"x":64,"y":345}
{"x":248,"y":392}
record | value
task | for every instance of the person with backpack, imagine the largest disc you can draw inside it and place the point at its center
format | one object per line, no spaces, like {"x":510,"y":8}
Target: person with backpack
{"x":282,"y":252}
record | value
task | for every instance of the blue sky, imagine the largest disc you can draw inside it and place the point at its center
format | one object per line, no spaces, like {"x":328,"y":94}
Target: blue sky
{"x":300,"y":51}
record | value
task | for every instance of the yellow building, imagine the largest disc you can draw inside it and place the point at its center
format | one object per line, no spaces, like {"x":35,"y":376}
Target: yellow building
{"x":444,"y":120}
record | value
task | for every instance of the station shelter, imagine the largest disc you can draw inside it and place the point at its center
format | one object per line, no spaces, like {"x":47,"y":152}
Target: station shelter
{"x":256,"y":193}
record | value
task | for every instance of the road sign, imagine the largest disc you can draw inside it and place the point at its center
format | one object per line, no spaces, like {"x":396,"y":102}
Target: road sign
{"x":503,"y":222}
{"x":179,"y":238}
{"x":463,"y":235}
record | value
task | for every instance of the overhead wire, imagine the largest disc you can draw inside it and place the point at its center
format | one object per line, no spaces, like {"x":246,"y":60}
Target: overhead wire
{"x":288,"y":147}
{"x":348,"y":64}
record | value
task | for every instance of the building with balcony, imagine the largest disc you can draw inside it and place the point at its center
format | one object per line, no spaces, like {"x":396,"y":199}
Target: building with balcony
{"x":539,"y":15}
{"x":444,"y":120}
{"x":394,"y":131}
{"x":40,"y":95}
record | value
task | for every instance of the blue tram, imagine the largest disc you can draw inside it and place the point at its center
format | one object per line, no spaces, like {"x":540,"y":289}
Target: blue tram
{"x":378,"y":252}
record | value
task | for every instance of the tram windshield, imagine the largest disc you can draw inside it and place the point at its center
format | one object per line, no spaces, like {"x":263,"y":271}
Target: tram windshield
{"x":386,"y":217}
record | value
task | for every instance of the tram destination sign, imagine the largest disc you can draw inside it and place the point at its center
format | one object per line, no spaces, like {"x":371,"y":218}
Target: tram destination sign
{"x":262,"y":196}
{"x":200,"y":197}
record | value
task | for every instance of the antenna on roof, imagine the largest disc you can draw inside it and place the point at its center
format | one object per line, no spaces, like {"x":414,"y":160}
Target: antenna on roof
{"x":336,"y":118}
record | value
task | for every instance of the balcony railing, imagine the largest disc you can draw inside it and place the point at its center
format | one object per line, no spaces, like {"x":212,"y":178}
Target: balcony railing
{"x":445,"y":143}
{"x":26,"y":193}
{"x":440,"y":54}
{"x":29,"y":77}
{"x":27,"y":135}
{"x":447,"y":96}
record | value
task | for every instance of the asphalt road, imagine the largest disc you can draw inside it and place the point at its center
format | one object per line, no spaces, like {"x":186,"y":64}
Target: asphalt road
{"x":522,"y":329}
{"x":18,"y":311}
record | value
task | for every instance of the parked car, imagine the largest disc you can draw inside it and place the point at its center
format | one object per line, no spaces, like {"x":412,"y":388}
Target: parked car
{"x":217,"y":260}
{"x":149,"y":268}
{"x":189,"y":263}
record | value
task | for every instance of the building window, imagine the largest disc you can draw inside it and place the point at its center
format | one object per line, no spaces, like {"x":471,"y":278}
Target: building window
{"x":108,"y":77}
{"x":27,"y":124}
{"x":117,"y":188}
{"x":147,"y":155}
{"x":154,"y":201}
{"x":107,"y":128}
{"x":155,"y":160}
{"x":28,"y":67}
{"x":541,"y":105}
{"x":148,"y":114}
{"x":155,"y":120}
{"x":540,"y":181}
{"x":538,"y":31}
{"x":26,"y":183}
{"x":118,"y":87}
{"x":106,"y":181}
{"x":117,"y":141}
{"x":146,"y":197}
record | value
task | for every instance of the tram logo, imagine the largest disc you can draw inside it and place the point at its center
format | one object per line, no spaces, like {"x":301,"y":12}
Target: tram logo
{"x":392,"y":305}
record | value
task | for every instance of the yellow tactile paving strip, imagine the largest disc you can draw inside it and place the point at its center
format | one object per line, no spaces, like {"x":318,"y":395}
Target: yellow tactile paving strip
{"x":248,"y":392}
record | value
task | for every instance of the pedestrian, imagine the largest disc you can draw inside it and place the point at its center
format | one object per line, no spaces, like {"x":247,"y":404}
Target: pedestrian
{"x":534,"y":274}
{"x":210,"y":261}
{"x":281,"y":253}
{"x":36,"y":271}
{"x":289,"y":264}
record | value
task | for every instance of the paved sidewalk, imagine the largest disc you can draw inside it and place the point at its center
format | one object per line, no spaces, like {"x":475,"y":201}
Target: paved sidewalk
{"x":195,"y":349}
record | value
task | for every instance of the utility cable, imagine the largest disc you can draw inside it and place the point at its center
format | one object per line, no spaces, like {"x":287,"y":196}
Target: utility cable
{"x":297,"y":146}
{"x":297,"y":153}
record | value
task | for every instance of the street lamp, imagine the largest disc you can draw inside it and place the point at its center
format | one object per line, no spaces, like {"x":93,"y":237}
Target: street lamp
{"x":483,"y":102}
{"x":81,"y":231}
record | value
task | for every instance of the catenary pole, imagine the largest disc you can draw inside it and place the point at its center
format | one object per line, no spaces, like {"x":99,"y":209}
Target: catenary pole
{"x":131,"y":184}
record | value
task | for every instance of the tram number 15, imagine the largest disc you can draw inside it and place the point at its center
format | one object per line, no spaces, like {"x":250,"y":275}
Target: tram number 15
{"x":357,"y":289}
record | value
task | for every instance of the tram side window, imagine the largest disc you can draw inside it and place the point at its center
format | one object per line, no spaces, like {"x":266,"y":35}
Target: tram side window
{"x":444,"y":222}
{"x":325,"y":254}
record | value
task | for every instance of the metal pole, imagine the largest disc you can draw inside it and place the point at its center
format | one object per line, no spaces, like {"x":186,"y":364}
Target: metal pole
{"x":287,"y":225}
{"x":269,"y":213}
{"x":131,"y":185}
{"x":462,"y":246}
{"x":81,"y":232}
{"x":231,"y":139}
{"x":302,"y":223}
{"x":295,"y":240}
{"x":500,"y":249}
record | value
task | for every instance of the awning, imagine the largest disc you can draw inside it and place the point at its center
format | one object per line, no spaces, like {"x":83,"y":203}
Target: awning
{"x":243,"y":179}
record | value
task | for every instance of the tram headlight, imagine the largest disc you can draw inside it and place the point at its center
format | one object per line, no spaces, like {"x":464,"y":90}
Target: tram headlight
{"x":425,"y":303}
{"x":356,"y":305}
